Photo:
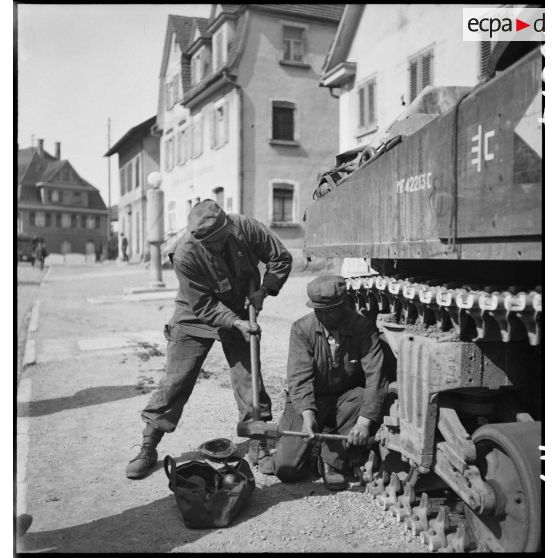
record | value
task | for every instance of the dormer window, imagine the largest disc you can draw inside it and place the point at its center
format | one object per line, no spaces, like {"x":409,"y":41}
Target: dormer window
{"x":200,"y":65}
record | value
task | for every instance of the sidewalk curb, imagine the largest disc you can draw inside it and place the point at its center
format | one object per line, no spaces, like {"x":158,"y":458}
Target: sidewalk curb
{"x":29,"y":353}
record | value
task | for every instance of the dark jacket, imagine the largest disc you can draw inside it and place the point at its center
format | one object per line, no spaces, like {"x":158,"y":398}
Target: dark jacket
{"x":210,"y":294}
{"x":312,"y":371}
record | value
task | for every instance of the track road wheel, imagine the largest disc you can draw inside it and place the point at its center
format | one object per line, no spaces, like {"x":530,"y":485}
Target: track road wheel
{"x":508,"y":458}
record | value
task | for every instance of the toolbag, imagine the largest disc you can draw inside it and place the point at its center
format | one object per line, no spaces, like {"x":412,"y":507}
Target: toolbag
{"x":210,"y":495}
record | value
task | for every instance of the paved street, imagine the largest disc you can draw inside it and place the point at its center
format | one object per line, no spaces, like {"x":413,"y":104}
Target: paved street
{"x":78,"y":422}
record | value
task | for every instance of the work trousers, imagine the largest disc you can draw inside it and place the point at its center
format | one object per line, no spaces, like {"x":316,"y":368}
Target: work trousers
{"x":185,"y":357}
{"x":335,"y":414}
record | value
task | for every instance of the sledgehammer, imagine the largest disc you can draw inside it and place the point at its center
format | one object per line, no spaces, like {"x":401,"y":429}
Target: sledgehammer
{"x":260,"y":430}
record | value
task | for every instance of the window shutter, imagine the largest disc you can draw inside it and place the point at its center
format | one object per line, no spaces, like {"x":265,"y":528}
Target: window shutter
{"x":226,"y":123}
{"x":213,"y":128}
{"x":426,"y":70}
{"x":361,"y":108}
{"x":413,"y":71}
{"x":484,"y":53}
{"x":371,"y":99}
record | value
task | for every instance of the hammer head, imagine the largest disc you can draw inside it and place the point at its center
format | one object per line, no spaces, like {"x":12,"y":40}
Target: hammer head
{"x":257,"y":429}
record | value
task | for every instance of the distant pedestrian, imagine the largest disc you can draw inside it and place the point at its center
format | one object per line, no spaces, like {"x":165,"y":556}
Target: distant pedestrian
{"x":98,"y":251}
{"x":40,"y":254}
{"x":124,"y":248}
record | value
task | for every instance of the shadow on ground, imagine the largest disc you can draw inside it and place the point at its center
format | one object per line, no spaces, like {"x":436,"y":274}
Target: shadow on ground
{"x":83,"y":398}
{"x":154,"y":527}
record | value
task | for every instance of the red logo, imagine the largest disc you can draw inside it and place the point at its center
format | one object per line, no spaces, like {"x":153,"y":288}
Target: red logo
{"x":519,"y":25}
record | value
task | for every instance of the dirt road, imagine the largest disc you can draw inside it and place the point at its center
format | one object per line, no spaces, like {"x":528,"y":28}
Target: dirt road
{"x":78,"y":420}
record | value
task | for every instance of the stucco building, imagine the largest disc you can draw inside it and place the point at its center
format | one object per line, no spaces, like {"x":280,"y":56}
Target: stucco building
{"x":55,"y":203}
{"x":383,"y":55}
{"x":138,"y":155}
{"x":241,"y":117}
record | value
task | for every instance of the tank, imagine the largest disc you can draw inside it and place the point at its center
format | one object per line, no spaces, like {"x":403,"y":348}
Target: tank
{"x":446,"y":208}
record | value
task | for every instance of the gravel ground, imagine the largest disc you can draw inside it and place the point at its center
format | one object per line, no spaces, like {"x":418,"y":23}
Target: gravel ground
{"x":82,"y":419}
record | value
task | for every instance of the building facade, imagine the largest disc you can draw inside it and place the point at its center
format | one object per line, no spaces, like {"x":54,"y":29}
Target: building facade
{"x":58,"y":205}
{"x":138,"y":155}
{"x":241,"y":116}
{"x":382,"y":58}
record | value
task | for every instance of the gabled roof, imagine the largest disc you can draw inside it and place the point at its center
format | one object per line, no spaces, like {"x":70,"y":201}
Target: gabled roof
{"x":139,"y":131}
{"x":325,"y":12}
{"x":343,"y":40}
{"x":34,"y":168}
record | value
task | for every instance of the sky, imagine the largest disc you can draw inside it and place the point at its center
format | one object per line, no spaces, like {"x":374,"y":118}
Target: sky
{"x":78,"y":65}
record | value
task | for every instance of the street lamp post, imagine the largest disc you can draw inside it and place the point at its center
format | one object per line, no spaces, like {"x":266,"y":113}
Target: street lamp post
{"x":155,"y":227}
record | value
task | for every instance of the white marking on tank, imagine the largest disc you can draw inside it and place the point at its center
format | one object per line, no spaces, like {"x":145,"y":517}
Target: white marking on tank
{"x":480,"y":147}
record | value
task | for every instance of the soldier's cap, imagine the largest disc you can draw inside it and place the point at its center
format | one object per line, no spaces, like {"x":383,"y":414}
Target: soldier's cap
{"x":206,"y":219}
{"x":326,"y":291}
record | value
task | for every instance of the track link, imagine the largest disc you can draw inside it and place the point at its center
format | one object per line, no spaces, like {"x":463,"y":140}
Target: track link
{"x":492,"y":313}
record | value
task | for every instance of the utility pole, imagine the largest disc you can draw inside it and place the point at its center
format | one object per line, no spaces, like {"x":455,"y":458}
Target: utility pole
{"x":109,"y":202}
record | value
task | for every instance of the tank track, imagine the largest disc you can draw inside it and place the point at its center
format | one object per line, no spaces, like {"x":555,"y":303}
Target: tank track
{"x":473,"y":312}
{"x":438,"y":519}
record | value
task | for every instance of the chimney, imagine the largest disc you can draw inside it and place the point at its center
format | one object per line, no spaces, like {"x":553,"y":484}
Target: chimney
{"x":40,"y":149}
{"x":57,"y":149}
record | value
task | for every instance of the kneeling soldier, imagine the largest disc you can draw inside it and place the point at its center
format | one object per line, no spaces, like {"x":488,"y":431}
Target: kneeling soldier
{"x":335,"y":382}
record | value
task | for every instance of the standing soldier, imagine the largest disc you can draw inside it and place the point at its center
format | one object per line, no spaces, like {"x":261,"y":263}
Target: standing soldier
{"x":216,"y":261}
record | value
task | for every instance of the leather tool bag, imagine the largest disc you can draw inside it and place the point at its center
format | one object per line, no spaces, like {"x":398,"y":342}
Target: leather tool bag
{"x":210,"y":495}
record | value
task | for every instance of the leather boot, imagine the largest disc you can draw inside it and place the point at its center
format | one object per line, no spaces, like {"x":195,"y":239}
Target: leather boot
{"x":143,"y":462}
{"x":333,"y":478}
{"x":259,"y":454}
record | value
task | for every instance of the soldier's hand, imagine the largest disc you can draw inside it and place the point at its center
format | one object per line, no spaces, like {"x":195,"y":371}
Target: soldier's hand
{"x":358,"y":436}
{"x":256,"y":299}
{"x":246,"y":328}
{"x":309,"y":424}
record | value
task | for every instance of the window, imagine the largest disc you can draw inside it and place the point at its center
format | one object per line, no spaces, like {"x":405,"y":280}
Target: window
{"x":420,"y":73}
{"x":485,"y":49}
{"x":97,"y":222}
{"x":171,"y":215}
{"x":219,"y":195}
{"x":129,"y":177}
{"x":283,"y":120}
{"x":172,"y":92}
{"x":198,"y":136}
{"x":220,"y":126}
{"x":293,"y":44}
{"x":90,"y":222}
{"x":283,"y":197}
{"x":58,"y":219}
{"x":32,"y":218}
{"x":200,"y":65}
{"x":47,"y":220}
{"x":367,"y":104}
{"x":169,"y":153}
{"x":182,"y":146}
{"x":188,"y":142}
{"x":122,"y":179}
{"x":39,"y":219}
{"x":76,"y":198}
{"x":75,"y":219}
{"x":53,"y":195}
{"x":84,"y":221}
{"x":66,"y":220}
{"x":137,"y":166}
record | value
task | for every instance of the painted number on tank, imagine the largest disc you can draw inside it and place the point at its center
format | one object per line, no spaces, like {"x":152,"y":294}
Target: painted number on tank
{"x":415,"y":183}
{"x":481,"y":149}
